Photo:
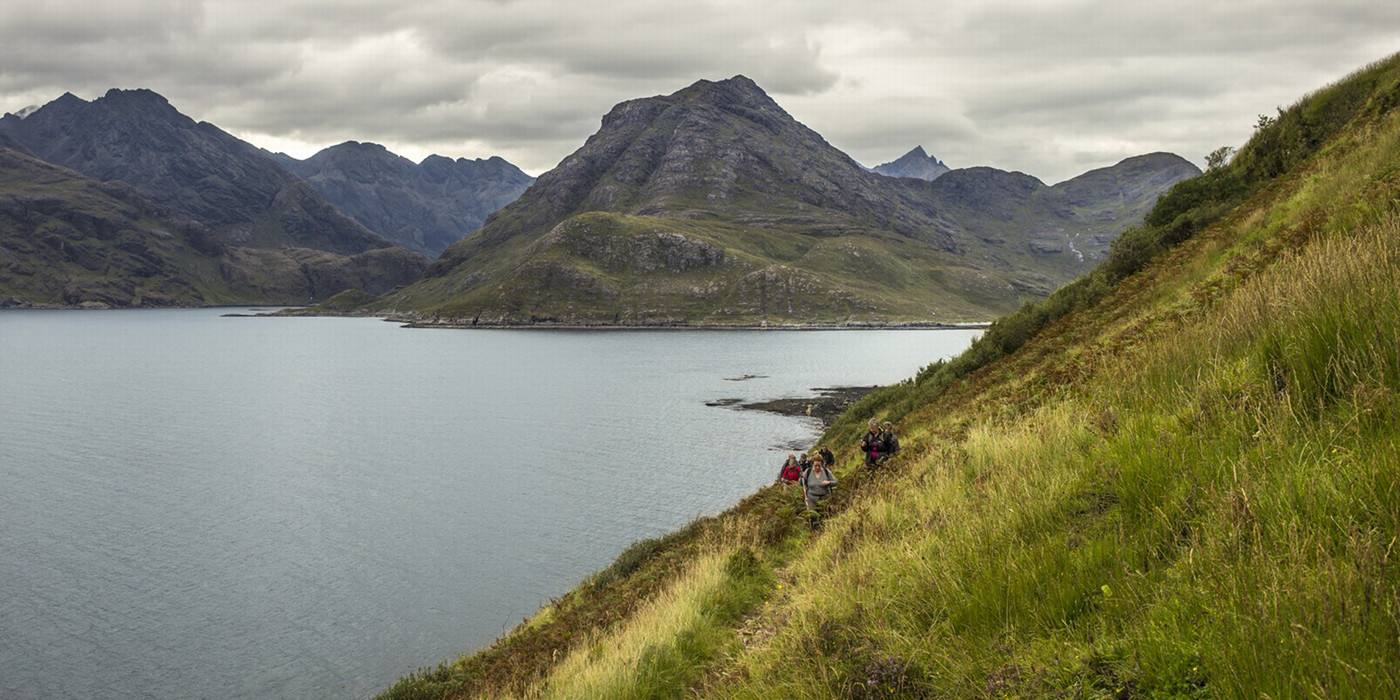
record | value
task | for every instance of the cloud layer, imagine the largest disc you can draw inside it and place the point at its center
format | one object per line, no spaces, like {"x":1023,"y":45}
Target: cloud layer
{"x":1048,"y":87}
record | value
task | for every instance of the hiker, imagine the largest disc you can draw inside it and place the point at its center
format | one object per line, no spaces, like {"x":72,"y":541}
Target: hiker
{"x":888,"y":444}
{"x":803,"y":462}
{"x":816,"y":486}
{"x":870,"y":444}
{"x":790,"y":471}
{"x":827,"y":458}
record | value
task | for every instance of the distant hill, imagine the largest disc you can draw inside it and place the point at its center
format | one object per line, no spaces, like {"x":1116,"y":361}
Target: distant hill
{"x":423,"y":207}
{"x":713,"y":205}
{"x":68,"y":240}
{"x":195,"y":171}
{"x":915,"y":164}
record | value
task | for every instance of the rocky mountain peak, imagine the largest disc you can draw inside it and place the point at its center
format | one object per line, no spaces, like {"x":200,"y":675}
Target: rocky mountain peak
{"x":24,"y":112}
{"x":916,"y":163}
{"x":196,"y":170}
{"x":739,"y":89}
{"x":140,"y":104}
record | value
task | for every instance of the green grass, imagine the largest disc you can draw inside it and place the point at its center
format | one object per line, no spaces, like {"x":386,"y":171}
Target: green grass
{"x":1180,"y":479}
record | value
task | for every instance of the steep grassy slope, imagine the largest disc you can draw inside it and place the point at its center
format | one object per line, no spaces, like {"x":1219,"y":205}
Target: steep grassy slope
{"x":1178,"y":477}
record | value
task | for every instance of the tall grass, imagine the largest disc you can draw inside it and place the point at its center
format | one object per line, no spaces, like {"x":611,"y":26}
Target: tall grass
{"x":1178,"y":478}
{"x":1229,"y":532}
{"x":670,"y":642}
{"x":1351,"y":113}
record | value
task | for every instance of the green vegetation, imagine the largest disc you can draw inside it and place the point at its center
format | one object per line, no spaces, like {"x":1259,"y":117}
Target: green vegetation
{"x":66,"y":240}
{"x":616,"y":268}
{"x":1179,"y":477}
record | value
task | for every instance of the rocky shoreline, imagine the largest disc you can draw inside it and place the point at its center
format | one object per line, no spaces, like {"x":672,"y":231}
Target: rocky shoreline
{"x":826,"y":406}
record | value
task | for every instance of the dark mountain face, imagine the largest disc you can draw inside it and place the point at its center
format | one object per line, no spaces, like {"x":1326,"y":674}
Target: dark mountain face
{"x":69,"y":240}
{"x":273,"y":239}
{"x":716,"y":150}
{"x":194,"y":169}
{"x":424,"y":207}
{"x":713,"y":204}
{"x":916,"y":164}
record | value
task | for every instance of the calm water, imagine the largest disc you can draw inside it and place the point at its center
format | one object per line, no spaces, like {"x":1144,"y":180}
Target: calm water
{"x":199,"y":506}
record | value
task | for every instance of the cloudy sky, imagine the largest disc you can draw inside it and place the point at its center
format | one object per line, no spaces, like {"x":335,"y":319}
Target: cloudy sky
{"x":1047,"y":87}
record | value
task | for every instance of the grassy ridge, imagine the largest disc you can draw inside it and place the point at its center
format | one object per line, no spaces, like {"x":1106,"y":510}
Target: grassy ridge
{"x":1177,"y":478}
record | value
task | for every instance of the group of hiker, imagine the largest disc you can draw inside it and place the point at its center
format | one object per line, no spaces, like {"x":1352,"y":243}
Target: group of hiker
{"x":813,"y":474}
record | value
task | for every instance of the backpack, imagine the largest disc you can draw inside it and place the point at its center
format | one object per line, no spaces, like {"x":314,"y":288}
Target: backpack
{"x":888,"y":444}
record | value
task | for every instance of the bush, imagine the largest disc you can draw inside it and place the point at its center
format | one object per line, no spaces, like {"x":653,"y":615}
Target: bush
{"x":639,"y":553}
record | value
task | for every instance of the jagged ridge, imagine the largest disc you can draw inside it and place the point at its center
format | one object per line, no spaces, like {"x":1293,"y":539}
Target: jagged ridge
{"x":423,"y":207}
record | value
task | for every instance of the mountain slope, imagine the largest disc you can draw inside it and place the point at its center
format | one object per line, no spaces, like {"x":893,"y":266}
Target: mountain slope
{"x":67,"y":240}
{"x":1177,"y":477}
{"x":198,"y":172}
{"x":916,"y":164}
{"x":423,"y":207}
{"x":712,"y":205}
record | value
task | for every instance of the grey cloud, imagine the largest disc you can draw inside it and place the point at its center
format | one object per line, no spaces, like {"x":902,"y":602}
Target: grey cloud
{"x":76,"y":22}
{"x":1049,"y":89}
{"x":633,"y":40}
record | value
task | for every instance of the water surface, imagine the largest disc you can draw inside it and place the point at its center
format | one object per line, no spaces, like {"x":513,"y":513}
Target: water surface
{"x":200,"y":506}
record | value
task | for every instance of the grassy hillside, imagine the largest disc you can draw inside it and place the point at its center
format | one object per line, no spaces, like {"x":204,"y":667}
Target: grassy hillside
{"x":1177,"y":477}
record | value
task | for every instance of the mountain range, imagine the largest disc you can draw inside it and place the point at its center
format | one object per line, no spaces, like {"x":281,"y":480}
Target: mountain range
{"x":277,"y":239}
{"x":424,"y":206}
{"x":714,"y":206}
{"x":710,"y":206}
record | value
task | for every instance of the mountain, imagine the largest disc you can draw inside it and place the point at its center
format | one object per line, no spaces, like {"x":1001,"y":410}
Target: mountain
{"x":1076,"y":220}
{"x":915,"y":164}
{"x":713,"y":205}
{"x":198,"y":172}
{"x":69,"y":240}
{"x":1177,"y":477}
{"x":423,"y":207}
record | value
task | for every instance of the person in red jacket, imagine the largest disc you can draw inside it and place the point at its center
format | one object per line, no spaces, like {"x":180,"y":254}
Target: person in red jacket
{"x":790,"y":471}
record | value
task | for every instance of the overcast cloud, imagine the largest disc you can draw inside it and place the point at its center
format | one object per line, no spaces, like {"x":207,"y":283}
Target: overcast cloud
{"x":1051,"y":87}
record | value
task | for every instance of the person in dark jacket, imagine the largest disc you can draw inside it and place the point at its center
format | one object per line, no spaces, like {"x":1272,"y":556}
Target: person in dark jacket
{"x":869,"y":445}
{"x":887,"y":445}
{"x":827,"y":458}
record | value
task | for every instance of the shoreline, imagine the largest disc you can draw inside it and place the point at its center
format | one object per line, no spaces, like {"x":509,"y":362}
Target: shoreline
{"x":852,"y":326}
{"x":292,"y":311}
{"x":828,"y":405}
